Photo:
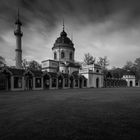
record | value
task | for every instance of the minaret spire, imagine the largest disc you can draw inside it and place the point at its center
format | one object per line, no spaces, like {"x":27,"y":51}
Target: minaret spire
{"x":18,"y":14}
{"x":63,"y":25}
{"x":18,"y":34}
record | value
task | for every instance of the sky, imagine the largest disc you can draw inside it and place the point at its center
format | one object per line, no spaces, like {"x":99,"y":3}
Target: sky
{"x":100,"y":27}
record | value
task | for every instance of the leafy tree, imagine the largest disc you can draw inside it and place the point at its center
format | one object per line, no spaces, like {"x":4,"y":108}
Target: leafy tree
{"x":137,"y":68}
{"x":89,"y":59}
{"x":32,"y":65}
{"x":117,"y":72}
{"x":2,"y":61}
{"x":104,"y":62}
{"x":108,"y":75}
{"x":25,"y":63}
{"x":137,"y":63}
{"x":129,"y":65}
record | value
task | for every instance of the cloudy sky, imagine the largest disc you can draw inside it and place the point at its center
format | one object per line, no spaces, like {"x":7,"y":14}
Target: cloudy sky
{"x":102,"y":27}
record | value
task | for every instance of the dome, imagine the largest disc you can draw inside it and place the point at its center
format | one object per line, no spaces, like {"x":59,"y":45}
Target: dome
{"x":63,"y":41}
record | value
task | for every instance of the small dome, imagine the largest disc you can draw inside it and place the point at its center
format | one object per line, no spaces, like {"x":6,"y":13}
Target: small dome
{"x":63,"y":34}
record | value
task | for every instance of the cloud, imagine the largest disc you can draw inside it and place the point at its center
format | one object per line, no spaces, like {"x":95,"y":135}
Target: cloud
{"x":101,"y":27}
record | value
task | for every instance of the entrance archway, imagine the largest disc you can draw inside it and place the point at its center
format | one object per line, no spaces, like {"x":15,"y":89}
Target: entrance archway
{"x":5,"y":80}
{"x":97,"y":82}
{"x":71,"y":82}
{"x":28,"y":81}
{"x":131,"y":83}
{"x":60,"y":81}
{"x":46,"y":81}
{"x":80,"y":83}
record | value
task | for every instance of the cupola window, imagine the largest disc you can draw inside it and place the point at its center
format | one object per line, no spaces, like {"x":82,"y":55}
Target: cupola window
{"x":70,"y":55}
{"x":97,"y":71}
{"x":62,"y":54}
{"x":55,"y":56}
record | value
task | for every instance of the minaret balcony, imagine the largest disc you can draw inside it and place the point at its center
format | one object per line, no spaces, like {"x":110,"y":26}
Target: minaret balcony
{"x":18,"y":50}
{"x":18,"y":33}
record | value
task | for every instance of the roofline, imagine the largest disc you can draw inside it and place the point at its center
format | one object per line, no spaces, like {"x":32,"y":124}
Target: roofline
{"x":29,"y":71}
{"x":49,"y":60}
{"x":7,"y":70}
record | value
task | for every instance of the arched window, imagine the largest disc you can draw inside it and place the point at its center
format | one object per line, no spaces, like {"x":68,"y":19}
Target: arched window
{"x":55,"y":55}
{"x":62,"y":54}
{"x":70,"y":55}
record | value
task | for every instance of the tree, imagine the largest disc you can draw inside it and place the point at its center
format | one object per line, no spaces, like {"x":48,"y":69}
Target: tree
{"x":137,"y":63}
{"x":32,"y":65}
{"x":133,"y":67}
{"x":117,"y":72}
{"x":137,"y":68}
{"x":104,"y":62}
{"x":2,"y":61}
{"x":25,"y":63}
{"x":129,"y":65}
{"x":89,"y":59}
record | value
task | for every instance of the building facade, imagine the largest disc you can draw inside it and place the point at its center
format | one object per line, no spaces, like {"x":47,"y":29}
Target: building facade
{"x":63,"y":56}
{"x":61,"y":72}
{"x":130,"y":79}
{"x":94,"y":75}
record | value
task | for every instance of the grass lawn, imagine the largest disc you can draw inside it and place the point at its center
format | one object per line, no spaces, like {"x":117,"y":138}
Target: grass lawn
{"x":73,"y":114}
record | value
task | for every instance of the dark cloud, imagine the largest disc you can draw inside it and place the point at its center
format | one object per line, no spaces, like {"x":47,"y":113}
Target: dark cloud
{"x":83,"y":11}
{"x":105,"y":21}
{"x":1,"y":39}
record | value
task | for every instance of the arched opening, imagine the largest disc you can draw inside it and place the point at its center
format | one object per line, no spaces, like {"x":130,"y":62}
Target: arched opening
{"x":76,"y":83}
{"x":66,"y":82}
{"x":60,"y":81}
{"x":131,"y":83}
{"x":62,"y":54}
{"x":97,"y":82}
{"x":108,"y":83}
{"x":136,"y":83}
{"x":5,"y":80}
{"x":70,"y":55}
{"x":105,"y":83}
{"x":55,"y":55}
{"x":71,"y":82}
{"x":54,"y":82}
{"x":112,"y":83}
{"x":28,"y":81}
{"x":46,"y":81}
{"x":80,"y":83}
{"x":85,"y":82}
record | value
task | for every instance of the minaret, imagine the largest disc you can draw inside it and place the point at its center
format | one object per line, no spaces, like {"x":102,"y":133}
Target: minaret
{"x":18,"y":34}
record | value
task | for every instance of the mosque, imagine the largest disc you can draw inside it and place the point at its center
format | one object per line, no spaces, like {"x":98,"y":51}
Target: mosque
{"x":61,"y":72}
